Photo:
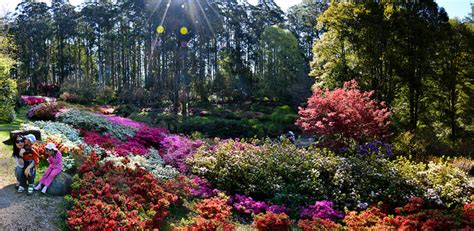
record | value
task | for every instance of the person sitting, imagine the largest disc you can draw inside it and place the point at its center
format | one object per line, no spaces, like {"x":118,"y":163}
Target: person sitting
{"x":31,"y":160}
{"x":55,"y":167}
{"x":17,"y":148}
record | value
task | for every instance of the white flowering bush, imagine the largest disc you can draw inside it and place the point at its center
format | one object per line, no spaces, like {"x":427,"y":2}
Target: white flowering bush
{"x":152,"y":162}
{"x":61,"y":132}
{"x":288,"y":175}
{"x":68,"y":163}
{"x":91,"y":121}
{"x":440,"y":182}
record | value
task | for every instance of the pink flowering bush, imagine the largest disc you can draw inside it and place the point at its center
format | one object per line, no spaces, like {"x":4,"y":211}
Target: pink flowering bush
{"x":246,"y":205}
{"x":124,"y":121}
{"x":31,"y":100}
{"x":344,"y":115}
{"x":150,"y":137}
{"x":176,"y":149}
{"x":321,"y":209}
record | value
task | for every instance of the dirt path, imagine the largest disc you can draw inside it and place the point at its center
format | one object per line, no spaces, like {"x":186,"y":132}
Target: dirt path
{"x":19,"y":211}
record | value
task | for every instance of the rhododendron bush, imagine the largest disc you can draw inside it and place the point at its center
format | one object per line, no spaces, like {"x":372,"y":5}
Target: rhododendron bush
{"x":344,"y":115}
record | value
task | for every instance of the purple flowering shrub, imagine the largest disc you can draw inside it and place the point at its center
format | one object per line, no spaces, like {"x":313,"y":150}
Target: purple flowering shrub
{"x":246,"y":205}
{"x":376,"y":149}
{"x":202,"y":188}
{"x":176,"y":149}
{"x":321,"y":209}
{"x":150,"y":137}
{"x":124,"y":121}
{"x":46,"y":111}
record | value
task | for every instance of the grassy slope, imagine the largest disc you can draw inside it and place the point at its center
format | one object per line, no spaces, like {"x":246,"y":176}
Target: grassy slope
{"x":5,"y":129}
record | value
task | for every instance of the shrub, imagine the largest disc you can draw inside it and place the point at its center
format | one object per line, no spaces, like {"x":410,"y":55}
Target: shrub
{"x":46,"y":111}
{"x":272,"y":221}
{"x":152,"y":162}
{"x":150,"y":137}
{"x":8,"y":92}
{"x":61,"y":132}
{"x":318,"y":224}
{"x":212,"y":214}
{"x":116,"y":197}
{"x":321,"y":209}
{"x":125,"y":121}
{"x":177,"y":149}
{"x":344,"y":115}
{"x":285,"y":174}
{"x":440,"y":182}
{"x":90,"y":121}
{"x":246,"y":205}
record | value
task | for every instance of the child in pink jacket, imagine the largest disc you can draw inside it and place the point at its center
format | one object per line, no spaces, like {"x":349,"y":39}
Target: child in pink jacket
{"x":55,"y":161}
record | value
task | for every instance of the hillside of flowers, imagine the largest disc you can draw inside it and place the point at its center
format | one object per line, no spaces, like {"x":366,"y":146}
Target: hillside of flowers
{"x":129,"y":175}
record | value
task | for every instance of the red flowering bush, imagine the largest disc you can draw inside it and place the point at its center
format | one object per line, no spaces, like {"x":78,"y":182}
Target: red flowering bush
{"x":213,"y":214}
{"x":344,"y":114}
{"x":41,"y":150}
{"x":371,"y":217}
{"x":412,"y":216}
{"x":469,"y":210}
{"x":117,"y":198}
{"x":318,"y":224}
{"x":104,"y":141}
{"x":272,"y":221}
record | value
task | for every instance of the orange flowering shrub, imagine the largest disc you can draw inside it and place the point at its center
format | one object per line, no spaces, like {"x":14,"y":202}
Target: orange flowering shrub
{"x":272,"y":221}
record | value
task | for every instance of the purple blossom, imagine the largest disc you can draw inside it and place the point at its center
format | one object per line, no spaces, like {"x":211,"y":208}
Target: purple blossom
{"x":376,"y":148}
{"x":203,"y":188}
{"x":247,"y":205}
{"x":321,"y":209}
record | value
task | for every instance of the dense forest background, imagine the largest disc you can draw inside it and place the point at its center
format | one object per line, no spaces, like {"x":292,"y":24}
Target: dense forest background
{"x":182,"y":54}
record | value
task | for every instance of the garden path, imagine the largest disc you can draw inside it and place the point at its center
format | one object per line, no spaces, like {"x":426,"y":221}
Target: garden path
{"x":19,"y":211}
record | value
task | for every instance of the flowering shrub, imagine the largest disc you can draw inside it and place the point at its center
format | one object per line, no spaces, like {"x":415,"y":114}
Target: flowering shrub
{"x":150,"y":137}
{"x":469,"y":210}
{"x":284,"y":174}
{"x":202,"y":188}
{"x":318,"y":224}
{"x":177,"y":149}
{"x":412,"y":216}
{"x":58,"y":131}
{"x":247,"y":205}
{"x":272,"y":221}
{"x":103,"y":141}
{"x":344,"y":114}
{"x":90,"y":121}
{"x":321,"y":209}
{"x":117,"y":198}
{"x":151,"y":162}
{"x":376,"y":149}
{"x":440,"y":182}
{"x":46,"y":111}
{"x":31,"y":100}
{"x":124,"y":121}
{"x":213,"y":214}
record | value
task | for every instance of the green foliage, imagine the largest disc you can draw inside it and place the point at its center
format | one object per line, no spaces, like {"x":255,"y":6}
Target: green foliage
{"x":440,"y":181}
{"x":283,"y":173}
{"x":284,"y":78}
{"x":8,"y":91}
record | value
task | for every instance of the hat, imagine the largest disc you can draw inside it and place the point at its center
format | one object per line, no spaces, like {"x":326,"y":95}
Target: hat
{"x":31,"y":138}
{"x":51,"y":146}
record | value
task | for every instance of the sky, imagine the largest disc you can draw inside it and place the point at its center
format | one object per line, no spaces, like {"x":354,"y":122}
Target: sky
{"x":455,"y":8}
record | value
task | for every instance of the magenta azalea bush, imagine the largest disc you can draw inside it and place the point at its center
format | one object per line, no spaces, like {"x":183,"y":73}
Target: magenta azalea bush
{"x":124,"y":121}
{"x":176,"y":149}
{"x":246,"y":205}
{"x":150,"y":137}
{"x":321,"y":209}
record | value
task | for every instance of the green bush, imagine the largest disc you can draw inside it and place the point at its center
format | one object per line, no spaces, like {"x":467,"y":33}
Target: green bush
{"x":286,"y":174}
{"x":8,"y":90}
{"x":440,"y":181}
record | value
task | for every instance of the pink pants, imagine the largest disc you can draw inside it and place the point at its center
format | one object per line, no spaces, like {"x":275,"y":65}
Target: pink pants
{"x":49,"y":176}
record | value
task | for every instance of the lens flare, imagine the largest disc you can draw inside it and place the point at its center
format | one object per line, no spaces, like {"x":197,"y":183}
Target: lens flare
{"x":160,"y":29}
{"x":183,"y":30}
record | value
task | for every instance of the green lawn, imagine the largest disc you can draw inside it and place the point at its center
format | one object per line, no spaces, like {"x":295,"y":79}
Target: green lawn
{"x":5,"y":129}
